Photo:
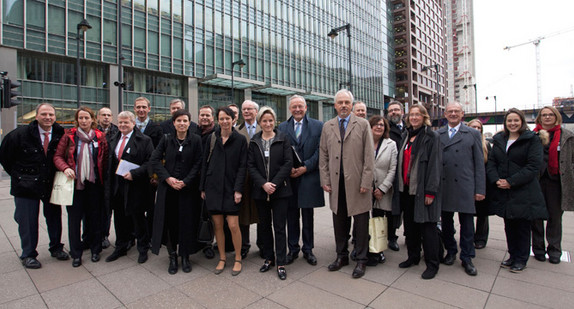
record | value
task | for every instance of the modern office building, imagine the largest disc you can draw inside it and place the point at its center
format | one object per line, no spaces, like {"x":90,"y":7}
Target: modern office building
{"x":185,"y":49}
{"x":461,"y":79}
{"x":420,"y":55}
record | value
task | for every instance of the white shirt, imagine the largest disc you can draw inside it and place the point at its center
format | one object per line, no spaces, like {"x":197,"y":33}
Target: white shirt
{"x":42,"y":136}
{"x":455,"y":129}
{"x":117,"y":150}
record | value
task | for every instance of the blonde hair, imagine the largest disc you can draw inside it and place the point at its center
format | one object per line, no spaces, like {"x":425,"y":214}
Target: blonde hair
{"x":266,"y":110}
{"x":554,"y":111}
{"x":424,"y":113}
{"x":484,"y":142}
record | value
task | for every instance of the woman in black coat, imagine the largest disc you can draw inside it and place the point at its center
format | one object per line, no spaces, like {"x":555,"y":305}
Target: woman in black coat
{"x":176,"y":161}
{"x":270,"y":162}
{"x":513,"y":166}
{"x":221,"y":186}
{"x":418,"y":169}
{"x":482,"y":209}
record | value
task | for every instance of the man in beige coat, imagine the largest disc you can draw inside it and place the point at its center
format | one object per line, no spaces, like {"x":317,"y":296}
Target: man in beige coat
{"x":346,"y":161}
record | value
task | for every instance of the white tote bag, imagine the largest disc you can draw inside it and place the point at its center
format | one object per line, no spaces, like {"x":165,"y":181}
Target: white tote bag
{"x":63,"y":190}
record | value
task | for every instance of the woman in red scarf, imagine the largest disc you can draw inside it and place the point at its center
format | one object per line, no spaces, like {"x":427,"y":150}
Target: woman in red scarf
{"x":82,"y":154}
{"x":556,"y":180}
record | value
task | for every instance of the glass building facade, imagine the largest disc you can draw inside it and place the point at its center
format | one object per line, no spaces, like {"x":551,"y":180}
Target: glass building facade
{"x":185,"y":49}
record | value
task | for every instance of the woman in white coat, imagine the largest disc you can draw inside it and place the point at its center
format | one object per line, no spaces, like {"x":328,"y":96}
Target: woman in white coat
{"x":384,"y":174}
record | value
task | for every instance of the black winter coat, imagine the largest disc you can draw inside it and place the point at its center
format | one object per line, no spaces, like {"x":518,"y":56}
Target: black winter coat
{"x":138,"y":150}
{"x":224,"y":174}
{"x":154,"y":131}
{"x":31,"y":170}
{"x":280,"y":164}
{"x":167,"y":161}
{"x":520,"y":166}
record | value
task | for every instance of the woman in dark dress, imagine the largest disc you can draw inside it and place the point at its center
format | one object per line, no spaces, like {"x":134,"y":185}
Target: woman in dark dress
{"x":513,"y":166}
{"x":270,"y":161}
{"x":222,"y":176}
{"x":82,"y":155}
{"x":482,"y":210}
{"x":176,"y":161}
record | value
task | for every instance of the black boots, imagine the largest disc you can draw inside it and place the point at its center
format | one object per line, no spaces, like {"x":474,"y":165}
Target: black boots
{"x":172,"y":269}
{"x":185,"y":264}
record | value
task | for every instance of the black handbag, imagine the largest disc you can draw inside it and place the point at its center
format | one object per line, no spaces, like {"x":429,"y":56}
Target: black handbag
{"x":205,"y":233}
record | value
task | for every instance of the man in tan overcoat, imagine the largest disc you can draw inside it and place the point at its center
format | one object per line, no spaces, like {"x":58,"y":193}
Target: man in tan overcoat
{"x":346,"y":161}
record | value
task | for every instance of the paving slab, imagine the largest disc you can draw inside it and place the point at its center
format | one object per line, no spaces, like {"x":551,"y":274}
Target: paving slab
{"x":133,"y":283}
{"x":214,"y":291}
{"x":533,"y":293}
{"x":16,"y":285}
{"x":395,"y":298}
{"x":30,"y":302}
{"x":302,"y":295}
{"x":171,"y":298}
{"x":86,"y":294}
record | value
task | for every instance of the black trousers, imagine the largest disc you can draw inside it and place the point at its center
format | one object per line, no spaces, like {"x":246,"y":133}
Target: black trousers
{"x":552,"y":191}
{"x":126,"y":225}
{"x":342,"y":228}
{"x":466,"y":239}
{"x":87,"y":203}
{"x":518,"y":239}
{"x":26,"y":215}
{"x":481,"y":229}
{"x":417,"y":233}
{"x":294,"y":214}
{"x":273,"y":220}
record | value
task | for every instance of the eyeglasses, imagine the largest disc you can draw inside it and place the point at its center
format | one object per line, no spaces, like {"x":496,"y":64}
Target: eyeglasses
{"x":547,"y":115}
{"x":379,"y":125}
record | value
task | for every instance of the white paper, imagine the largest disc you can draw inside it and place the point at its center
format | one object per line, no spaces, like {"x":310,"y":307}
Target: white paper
{"x":124,"y":167}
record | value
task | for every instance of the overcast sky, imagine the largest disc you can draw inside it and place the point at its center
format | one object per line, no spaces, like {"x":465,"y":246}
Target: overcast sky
{"x":511,"y":75}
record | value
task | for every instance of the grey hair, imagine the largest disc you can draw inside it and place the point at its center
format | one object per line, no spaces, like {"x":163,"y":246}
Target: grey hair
{"x":453,"y":103}
{"x":250,"y":102}
{"x":347,"y":92}
{"x":174,"y":101}
{"x":127,"y":114}
{"x":296,"y":96}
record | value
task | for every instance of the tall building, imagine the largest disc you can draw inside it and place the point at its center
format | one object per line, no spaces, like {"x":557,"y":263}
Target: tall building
{"x":461,"y":78}
{"x":185,"y":49}
{"x":420,"y":55}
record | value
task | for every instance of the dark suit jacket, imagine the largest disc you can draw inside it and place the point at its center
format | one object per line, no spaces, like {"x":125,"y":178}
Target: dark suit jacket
{"x":309,"y":193}
{"x":154,"y":131}
{"x":137,"y":150}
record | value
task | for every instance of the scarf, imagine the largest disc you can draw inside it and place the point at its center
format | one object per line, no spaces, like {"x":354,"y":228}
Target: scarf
{"x":84,"y":166}
{"x":552,"y":149}
{"x":417,"y":142}
{"x":205,"y":130}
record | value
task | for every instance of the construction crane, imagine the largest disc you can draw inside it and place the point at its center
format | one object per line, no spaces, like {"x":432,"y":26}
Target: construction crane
{"x":536,"y":43}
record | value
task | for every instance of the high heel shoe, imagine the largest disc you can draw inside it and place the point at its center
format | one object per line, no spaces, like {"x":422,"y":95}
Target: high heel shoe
{"x":218,"y":271}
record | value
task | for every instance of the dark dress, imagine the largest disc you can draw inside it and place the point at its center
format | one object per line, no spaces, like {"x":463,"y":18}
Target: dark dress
{"x":177,"y":213}
{"x":224,"y":174}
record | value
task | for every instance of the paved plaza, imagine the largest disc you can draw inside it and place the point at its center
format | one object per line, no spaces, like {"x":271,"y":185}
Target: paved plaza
{"x":125,"y":283}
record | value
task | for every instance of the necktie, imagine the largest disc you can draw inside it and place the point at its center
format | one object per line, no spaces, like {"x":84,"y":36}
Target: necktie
{"x":46,"y":142}
{"x":297,"y":130}
{"x":342,"y":129}
{"x":250,"y":131}
{"x":452,"y":132}
{"x":122,"y":146}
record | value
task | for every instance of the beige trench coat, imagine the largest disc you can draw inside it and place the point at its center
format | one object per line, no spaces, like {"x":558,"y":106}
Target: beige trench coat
{"x":358,"y":163}
{"x":384,"y":174}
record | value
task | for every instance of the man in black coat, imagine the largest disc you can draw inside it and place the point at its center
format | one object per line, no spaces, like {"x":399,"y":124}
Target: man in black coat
{"x":167,"y":125}
{"x":125,"y":190}
{"x":27,"y":156}
{"x":147,"y":126}
{"x":395,"y":112}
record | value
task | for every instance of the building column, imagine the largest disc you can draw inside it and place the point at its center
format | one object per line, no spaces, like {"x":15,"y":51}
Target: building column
{"x":114,"y":94}
{"x":193,"y":98}
{"x":320,"y":111}
{"x":247,"y":94}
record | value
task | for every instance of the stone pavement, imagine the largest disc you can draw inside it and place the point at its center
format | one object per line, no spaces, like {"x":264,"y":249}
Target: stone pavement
{"x":125,"y":283}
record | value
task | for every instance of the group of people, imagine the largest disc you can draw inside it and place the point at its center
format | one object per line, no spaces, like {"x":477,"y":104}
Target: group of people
{"x":160,"y":180}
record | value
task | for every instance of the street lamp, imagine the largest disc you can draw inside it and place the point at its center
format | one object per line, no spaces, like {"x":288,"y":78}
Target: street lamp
{"x":495,"y":124}
{"x":475,"y":97}
{"x":332,"y":34}
{"x":82,"y":27}
{"x":241,"y":64}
